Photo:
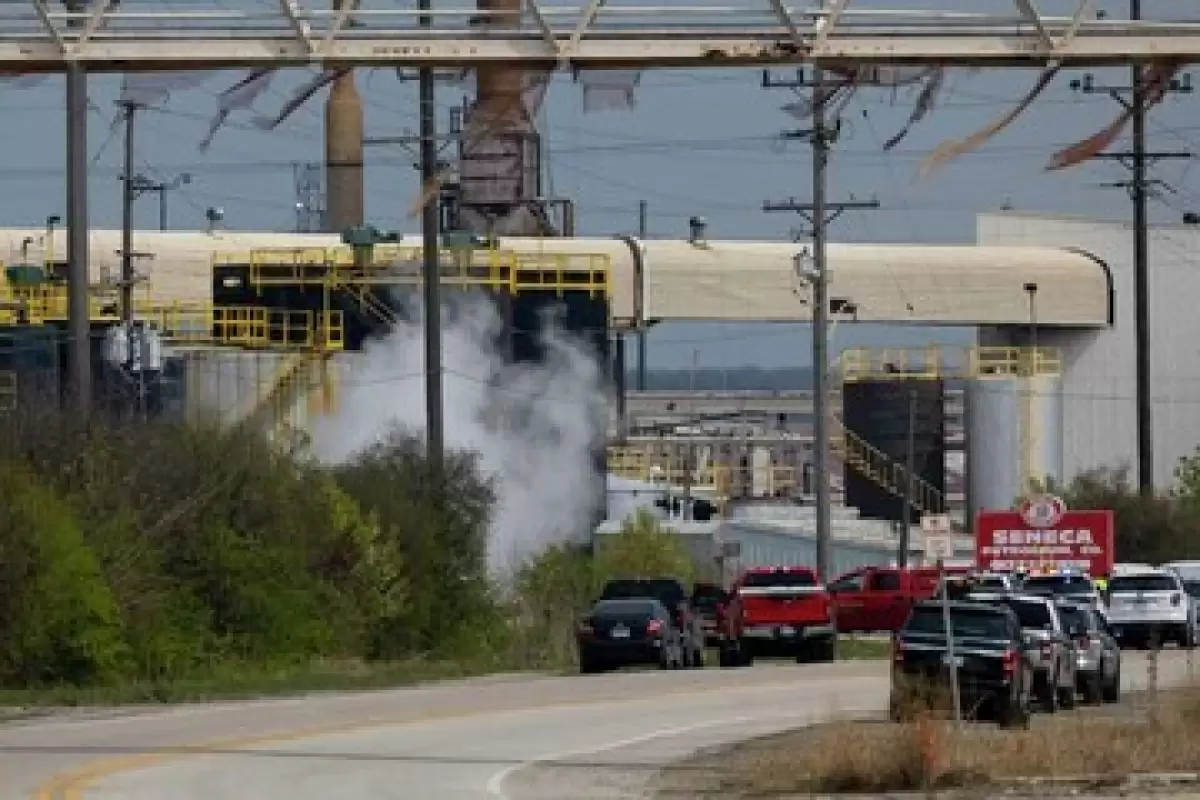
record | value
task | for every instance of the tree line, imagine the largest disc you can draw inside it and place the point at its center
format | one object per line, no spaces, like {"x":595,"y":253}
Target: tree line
{"x":157,"y":553}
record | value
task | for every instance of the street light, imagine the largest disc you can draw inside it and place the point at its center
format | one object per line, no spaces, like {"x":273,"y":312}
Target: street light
{"x":1031,"y":289}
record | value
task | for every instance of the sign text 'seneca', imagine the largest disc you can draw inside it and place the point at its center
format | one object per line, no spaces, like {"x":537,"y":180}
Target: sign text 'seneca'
{"x":1078,"y":536}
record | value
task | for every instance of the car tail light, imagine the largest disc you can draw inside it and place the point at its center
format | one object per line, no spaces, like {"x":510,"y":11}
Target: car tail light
{"x":585,"y":629}
{"x":897,"y":650}
{"x":1010,"y":662}
{"x":1084,"y":641}
{"x":654,"y":627}
{"x":1176,"y":599}
{"x":1047,"y":651}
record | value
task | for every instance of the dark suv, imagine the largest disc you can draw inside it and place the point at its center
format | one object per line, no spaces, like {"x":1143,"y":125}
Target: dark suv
{"x":674,"y":596}
{"x":989,"y":659}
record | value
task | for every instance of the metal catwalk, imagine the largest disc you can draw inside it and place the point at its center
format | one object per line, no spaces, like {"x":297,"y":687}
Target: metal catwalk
{"x":162,"y":35}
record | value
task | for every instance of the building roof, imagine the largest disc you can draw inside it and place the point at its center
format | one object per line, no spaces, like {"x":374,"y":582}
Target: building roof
{"x":722,"y":281}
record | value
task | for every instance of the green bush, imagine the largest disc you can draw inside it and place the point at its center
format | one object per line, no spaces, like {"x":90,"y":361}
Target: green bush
{"x":166,"y":555}
{"x":60,"y":622}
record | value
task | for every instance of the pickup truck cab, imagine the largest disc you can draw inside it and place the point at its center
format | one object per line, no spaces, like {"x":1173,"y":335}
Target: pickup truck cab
{"x":782,"y":611}
{"x":990,"y":660}
{"x":880,"y":598}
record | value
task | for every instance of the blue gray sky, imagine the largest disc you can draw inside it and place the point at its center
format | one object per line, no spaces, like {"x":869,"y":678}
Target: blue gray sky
{"x":698,"y":142}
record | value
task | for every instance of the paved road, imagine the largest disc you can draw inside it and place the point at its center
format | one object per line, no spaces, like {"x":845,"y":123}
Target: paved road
{"x":454,"y":741}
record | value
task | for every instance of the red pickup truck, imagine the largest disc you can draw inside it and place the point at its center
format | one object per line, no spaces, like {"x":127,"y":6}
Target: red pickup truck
{"x":781,"y":611}
{"x":880,"y":598}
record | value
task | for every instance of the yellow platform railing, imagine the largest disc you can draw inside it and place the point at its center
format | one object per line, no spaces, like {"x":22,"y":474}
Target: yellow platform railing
{"x":933,"y":363}
{"x":487,"y":268}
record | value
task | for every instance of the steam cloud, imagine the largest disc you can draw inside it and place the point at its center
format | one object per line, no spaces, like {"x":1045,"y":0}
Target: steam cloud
{"x":533,"y":425}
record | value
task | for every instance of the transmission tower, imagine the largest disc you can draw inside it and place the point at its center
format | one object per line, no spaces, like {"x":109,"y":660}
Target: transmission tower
{"x":310,"y":197}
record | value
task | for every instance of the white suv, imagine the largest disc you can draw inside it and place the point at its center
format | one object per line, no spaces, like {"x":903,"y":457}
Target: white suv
{"x":1151,"y":604}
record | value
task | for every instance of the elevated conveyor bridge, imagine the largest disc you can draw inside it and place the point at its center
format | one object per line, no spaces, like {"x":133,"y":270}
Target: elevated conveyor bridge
{"x":158,"y":35}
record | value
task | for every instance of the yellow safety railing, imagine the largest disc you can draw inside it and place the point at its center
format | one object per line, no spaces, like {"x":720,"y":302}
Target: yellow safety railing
{"x":8,"y":391}
{"x":724,"y":482}
{"x":497,"y":269}
{"x":882,"y":470}
{"x":249,"y":327}
{"x":562,"y":272}
{"x":932,"y":363}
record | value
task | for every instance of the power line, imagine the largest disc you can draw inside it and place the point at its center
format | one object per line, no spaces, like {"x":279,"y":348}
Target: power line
{"x":1137,"y":160}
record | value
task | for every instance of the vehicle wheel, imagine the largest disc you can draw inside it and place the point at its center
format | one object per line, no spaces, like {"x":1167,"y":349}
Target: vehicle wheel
{"x":895,"y":709}
{"x":818,"y":651}
{"x":1187,"y":637}
{"x":1013,"y":711}
{"x":698,"y":658}
{"x":589,"y":667}
{"x":728,"y":656}
{"x":1067,"y":696}
{"x":1049,"y":696}
{"x":1112,"y":689}
{"x":1093,"y":689}
{"x":745,"y":655}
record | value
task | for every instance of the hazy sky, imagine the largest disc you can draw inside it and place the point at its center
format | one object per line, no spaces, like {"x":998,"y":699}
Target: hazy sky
{"x":701,"y":142}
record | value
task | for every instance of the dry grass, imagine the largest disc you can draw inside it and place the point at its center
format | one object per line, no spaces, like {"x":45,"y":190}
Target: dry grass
{"x":884,"y":756}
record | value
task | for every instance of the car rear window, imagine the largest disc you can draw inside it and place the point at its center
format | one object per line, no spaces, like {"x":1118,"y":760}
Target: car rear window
{"x":708,"y":597}
{"x":668,"y":592}
{"x":983,"y":623}
{"x":773,"y":579}
{"x":1075,"y":618}
{"x":1032,"y":615}
{"x":1143,"y":583}
{"x":1058,"y":584}
{"x":1192,"y":588}
{"x":624,"y":609}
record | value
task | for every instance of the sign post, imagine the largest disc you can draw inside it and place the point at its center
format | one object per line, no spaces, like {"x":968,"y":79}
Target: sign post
{"x":1044,"y":533}
{"x":951,"y":656}
{"x":938,"y":538}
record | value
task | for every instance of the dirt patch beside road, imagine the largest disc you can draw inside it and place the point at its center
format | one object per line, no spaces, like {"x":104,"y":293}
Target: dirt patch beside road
{"x":879,"y":756}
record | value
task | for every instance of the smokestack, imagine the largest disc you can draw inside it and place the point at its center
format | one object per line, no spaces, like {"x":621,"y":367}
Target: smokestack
{"x":343,"y":153}
{"x":503,"y":168}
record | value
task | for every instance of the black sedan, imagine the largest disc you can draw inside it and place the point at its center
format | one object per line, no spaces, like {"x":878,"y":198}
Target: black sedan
{"x":628,"y":632}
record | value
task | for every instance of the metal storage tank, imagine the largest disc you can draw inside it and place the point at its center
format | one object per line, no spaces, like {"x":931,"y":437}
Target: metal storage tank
{"x":1014,"y":435}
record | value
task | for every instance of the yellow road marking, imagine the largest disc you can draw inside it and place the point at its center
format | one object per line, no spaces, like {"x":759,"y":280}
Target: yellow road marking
{"x":70,"y":785}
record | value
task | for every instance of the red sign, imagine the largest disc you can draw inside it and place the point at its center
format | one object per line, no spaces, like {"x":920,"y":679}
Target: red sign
{"x":1081,"y":540}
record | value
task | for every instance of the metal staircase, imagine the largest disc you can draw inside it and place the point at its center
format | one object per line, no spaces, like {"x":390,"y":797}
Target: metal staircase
{"x":302,"y":375}
{"x":876,"y":466}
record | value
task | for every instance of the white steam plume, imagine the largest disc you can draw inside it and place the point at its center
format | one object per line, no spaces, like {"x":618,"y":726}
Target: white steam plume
{"x":535,"y":426}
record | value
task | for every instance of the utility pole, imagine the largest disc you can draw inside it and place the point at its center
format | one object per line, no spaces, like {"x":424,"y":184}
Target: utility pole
{"x":910,"y":469}
{"x":820,"y":212}
{"x":1137,"y":160}
{"x":143,"y":185}
{"x":643,"y":232}
{"x":430,"y":267}
{"x":79,"y":320}
{"x":128,"y":195}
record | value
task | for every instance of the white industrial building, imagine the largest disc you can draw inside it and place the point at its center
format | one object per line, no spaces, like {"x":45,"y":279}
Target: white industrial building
{"x":1095,"y":400}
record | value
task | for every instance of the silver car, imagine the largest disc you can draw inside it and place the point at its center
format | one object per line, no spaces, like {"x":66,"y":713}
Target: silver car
{"x":1098,"y":657}
{"x":1052,"y":652}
